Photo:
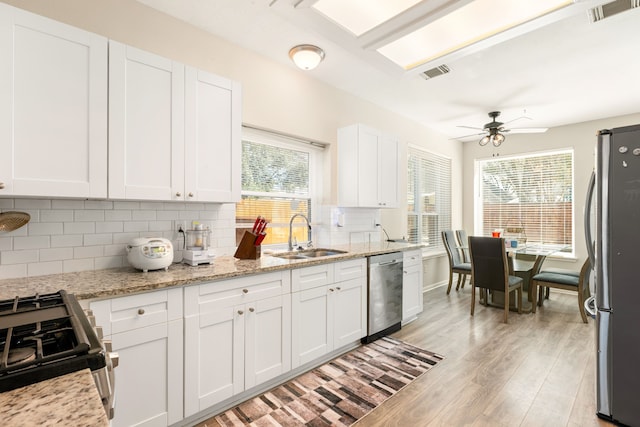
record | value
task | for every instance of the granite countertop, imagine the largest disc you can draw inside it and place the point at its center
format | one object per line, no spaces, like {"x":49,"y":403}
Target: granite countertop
{"x":123,"y":281}
{"x":68,"y":400}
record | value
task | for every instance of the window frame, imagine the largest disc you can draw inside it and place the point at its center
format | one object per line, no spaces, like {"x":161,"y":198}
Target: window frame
{"x":433,"y":156}
{"x":316,"y":152}
{"x":479,"y":202}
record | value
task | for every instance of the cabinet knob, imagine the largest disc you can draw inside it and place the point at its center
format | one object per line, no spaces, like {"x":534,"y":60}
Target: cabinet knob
{"x":190,"y":194}
{"x":1,"y":185}
{"x":337,"y":288}
{"x":141,"y":311}
{"x":331,"y":289}
{"x":178,"y":194}
{"x":245,"y":291}
{"x":240,"y":312}
{"x":251,"y":309}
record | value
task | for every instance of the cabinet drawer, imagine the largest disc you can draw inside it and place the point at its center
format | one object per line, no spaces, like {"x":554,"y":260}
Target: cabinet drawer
{"x":137,"y":311}
{"x":347,"y":270}
{"x":225,"y":293}
{"x":311,"y":277}
{"x":411,"y":258}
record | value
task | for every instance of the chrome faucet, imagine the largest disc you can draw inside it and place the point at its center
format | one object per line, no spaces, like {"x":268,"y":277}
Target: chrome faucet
{"x":309,"y":243}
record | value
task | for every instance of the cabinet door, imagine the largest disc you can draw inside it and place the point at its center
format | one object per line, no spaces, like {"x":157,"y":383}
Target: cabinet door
{"x":146,"y":125}
{"x":411,"y":291}
{"x":212,"y":138}
{"x":311,"y":328}
{"x":214,"y":357}
{"x":149,"y":376}
{"x":349,"y":312}
{"x":268,"y":339}
{"x":388,"y":173}
{"x":53,"y":109}
{"x":369,"y":141}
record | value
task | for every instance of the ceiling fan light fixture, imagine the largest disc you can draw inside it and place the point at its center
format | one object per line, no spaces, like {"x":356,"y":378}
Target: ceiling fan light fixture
{"x":484,"y":141}
{"x":306,"y":56}
{"x":498,"y":139}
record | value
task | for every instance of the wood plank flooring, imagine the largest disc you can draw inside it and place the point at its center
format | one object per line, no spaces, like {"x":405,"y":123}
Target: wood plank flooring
{"x":537,"y":370}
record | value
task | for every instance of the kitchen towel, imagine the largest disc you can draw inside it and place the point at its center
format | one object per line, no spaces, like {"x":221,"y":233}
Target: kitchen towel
{"x":339,"y":392}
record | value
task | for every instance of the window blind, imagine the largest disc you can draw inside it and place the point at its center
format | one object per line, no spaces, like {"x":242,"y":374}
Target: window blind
{"x":276,"y":185}
{"x":528,"y":196}
{"x":428,"y":197}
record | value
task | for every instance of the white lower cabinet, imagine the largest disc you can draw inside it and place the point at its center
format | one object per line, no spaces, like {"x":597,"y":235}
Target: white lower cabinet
{"x":412,"y":279}
{"x":327,"y":313}
{"x":147,"y":332}
{"x":237,"y":335}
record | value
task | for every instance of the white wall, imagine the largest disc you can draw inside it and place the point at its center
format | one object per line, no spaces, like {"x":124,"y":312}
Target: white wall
{"x":276,"y":96}
{"x":581,"y":137}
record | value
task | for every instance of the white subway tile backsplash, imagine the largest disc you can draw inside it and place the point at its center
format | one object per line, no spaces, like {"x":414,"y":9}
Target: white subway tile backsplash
{"x":98,"y":239}
{"x":79,"y":227}
{"x":117,"y":215}
{"x":67,"y":241}
{"x":72,"y":265}
{"x":110,"y":227}
{"x":67,"y":204}
{"x":6,"y":243}
{"x":160,"y":225}
{"x":19,"y":257}
{"x":152,"y":206}
{"x":88,"y":252}
{"x":45,"y":228}
{"x":31,"y":242}
{"x":88,"y":215}
{"x":126,"y":205}
{"x":56,"y":215}
{"x":109,"y":262}
{"x":140,"y":226}
{"x":98,"y":204}
{"x":6,"y":204}
{"x":124,"y":238}
{"x":143,"y":215}
{"x":25,"y":204}
{"x":115,"y":250}
{"x":56,"y":254}
{"x":41,"y":268}
{"x":13,"y":271}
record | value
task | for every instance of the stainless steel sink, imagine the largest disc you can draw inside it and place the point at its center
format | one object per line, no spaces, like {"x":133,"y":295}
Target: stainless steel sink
{"x":309,"y":253}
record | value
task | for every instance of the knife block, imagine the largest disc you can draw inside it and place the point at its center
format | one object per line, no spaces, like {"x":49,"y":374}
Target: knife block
{"x":247,"y":248}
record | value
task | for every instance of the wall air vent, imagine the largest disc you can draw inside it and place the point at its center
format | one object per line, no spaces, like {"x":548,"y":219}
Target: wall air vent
{"x":606,"y":10}
{"x":437,"y":71}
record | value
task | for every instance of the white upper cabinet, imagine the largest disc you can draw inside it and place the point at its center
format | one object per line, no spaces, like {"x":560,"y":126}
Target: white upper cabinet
{"x":174,"y":131}
{"x":212,"y":137}
{"x":146,"y":125}
{"x":367,"y":168}
{"x":53,"y":108}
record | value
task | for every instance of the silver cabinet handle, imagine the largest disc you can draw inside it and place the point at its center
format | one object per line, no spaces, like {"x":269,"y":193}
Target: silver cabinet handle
{"x":141,"y":311}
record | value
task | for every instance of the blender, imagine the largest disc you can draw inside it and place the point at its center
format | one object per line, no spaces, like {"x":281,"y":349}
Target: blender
{"x":197,"y":246}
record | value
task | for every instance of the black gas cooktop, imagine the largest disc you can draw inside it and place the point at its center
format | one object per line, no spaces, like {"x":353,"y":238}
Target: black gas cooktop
{"x":45,"y":336}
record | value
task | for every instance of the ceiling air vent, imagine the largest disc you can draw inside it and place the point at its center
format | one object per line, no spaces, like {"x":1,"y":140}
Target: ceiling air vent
{"x":606,"y":10}
{"x":437,"y":71}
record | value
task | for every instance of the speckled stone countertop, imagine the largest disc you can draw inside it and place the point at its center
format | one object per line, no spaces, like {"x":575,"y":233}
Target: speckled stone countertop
{"x":68,"y":400}
{"x":123,"y":281}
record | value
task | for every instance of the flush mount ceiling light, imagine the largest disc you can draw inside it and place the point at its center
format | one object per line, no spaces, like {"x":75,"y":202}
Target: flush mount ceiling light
{"x":306,"y":56}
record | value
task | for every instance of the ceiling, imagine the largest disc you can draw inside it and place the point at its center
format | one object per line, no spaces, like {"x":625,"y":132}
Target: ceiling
{"x":557,"y":70}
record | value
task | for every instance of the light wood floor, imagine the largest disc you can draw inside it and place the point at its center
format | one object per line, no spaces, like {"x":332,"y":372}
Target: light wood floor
{"x":537,"y":370}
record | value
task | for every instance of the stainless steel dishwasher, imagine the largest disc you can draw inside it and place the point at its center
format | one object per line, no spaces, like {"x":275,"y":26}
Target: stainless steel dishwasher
{"x":384,"y":296}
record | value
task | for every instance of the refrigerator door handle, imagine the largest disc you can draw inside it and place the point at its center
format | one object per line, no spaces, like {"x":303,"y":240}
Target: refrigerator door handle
{"x":587,"y":220}
{"x":590,"y":307}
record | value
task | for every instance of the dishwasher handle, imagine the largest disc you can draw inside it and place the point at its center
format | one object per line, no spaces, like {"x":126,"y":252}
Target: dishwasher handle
{"x":379,"y":264}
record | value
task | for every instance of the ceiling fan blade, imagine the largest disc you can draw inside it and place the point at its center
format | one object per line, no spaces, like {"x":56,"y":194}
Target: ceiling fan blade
{"x":470,"y":127}
{"x":469,"y":136}
{"x":528,"y":130}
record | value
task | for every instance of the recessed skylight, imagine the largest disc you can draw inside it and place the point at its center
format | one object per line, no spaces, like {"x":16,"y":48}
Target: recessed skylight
{"x":360,"y":16}
{"x":463,"y":27}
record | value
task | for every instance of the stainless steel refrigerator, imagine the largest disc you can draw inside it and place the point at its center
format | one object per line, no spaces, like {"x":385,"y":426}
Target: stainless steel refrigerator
{"x":615,"y":192}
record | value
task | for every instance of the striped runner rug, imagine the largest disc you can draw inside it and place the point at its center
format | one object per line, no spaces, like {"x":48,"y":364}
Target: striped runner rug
{"x":339,"y":392}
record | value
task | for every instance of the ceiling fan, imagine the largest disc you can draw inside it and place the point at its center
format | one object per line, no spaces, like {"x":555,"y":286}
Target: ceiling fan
{"x":494,"y":130}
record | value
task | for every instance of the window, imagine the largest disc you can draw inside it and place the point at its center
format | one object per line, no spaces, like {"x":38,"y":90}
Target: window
{"x":278,"y":181}
{"x":528,"y":196}
{"x":428,"y":197}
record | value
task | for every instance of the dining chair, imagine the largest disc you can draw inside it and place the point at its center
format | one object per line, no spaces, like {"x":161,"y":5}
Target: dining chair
{"x":562,"y":279}
{"x":462,"y":243}
{"x":457,"y":264}
{"x":490,"y":271}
